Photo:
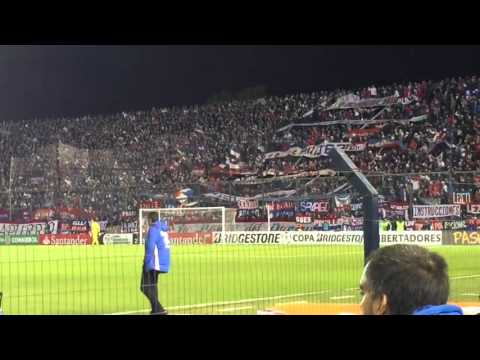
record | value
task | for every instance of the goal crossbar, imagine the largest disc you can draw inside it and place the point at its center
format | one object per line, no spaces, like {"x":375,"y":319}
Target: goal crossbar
{"x":142,"y":211}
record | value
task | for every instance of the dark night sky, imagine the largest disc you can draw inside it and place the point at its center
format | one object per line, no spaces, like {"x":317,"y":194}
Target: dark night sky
{"x":41,"y":81}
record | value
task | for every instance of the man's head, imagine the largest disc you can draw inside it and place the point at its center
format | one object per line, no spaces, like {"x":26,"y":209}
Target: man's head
{"x":152,"y":217}
{"x":399,"y":279}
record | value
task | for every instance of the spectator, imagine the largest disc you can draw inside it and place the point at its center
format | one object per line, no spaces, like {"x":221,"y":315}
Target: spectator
{"x":404,"y":280}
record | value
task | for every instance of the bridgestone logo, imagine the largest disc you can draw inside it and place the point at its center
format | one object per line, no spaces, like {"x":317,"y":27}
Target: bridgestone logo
{"x":248,"y":238}
{"x":328,"y":238}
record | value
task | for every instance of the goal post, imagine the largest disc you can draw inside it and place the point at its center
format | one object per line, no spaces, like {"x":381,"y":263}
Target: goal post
{"x":189,"y":220}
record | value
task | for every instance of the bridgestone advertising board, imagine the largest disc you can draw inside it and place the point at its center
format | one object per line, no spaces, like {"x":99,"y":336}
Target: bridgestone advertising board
{"x":256,"y":237}
{"x":326,"y":237}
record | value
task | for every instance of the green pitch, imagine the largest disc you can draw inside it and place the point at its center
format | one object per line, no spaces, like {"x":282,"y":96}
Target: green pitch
{"x":224,"y":279}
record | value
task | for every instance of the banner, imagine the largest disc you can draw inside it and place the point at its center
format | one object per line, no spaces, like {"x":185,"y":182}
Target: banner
{"x":129,"y":226}
{"x":74,"y":226}
{"x":356,"y":207}
{"x":303,"y":219}
{"x":302,"y":174}
{"x":151,"y":204}
{"x":434,"y":211}
{"x":281,"y":211}
{"x":325,"y":237}
{"x":117,"y":239}
{"x":247,"y":204}
{"x":313,"y":206}
{"x":343,"y":103}
{"x":43,"y":214}
{"x":462,"y":198}
{"x":18,"y":240}
{"x":342,"y":201}
{"x":65,"y":239}
{"x":4,"y":215}
{"x":353,"y":122}
{"x":473,"y":208}
{"x":274,"y":194}
{"x":224,"y":197}
{"x":454,"y":225}
{"x":190,"y":238}
{"x":364,"y":132}
{"x":398,"y":206}
{"x":233,"y":198}
{"x":128,"y":214}
{"x":315,"y":151}
{"x":103,"y":225}
{"x":250,"y":215}
{"x":386,"y":144}
{"x":28,"y":228}
{"x":461,"y":238}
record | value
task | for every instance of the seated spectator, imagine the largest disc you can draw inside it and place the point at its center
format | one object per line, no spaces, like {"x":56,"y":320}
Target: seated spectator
{"x":406,"y":280}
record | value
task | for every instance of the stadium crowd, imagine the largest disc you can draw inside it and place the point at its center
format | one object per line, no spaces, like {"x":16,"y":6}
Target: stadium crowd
{"x":133,"y":155}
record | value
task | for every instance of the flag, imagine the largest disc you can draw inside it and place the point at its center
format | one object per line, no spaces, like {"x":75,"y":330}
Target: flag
{"x":342,"y":200}
{"x":308,"y":113}
{"x":235,"y":153}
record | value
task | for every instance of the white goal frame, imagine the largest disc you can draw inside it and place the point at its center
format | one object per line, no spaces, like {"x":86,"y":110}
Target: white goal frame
{"x":141,"y":240}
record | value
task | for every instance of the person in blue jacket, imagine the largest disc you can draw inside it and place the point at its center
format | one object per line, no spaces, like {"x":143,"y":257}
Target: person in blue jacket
{"x":406,"y":280}
{"x":156,"y":261}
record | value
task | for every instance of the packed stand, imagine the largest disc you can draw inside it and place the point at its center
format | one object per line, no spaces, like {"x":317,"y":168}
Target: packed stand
{"x":136,"y":155}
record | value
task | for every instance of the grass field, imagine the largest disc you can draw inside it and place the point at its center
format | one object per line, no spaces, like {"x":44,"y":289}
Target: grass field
{"x":222,"y":279}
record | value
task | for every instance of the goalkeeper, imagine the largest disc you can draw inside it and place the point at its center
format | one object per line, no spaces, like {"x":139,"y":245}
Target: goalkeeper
{"x":95,"y":230}
{"x":156,"y":261}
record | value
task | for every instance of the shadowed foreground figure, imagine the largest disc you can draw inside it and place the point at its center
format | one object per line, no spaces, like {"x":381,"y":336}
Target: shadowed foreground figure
{"x":156,"y":261}
{"x":406,"y":280}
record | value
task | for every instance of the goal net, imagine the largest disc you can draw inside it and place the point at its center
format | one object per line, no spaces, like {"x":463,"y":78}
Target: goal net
{"x":190,"y":225}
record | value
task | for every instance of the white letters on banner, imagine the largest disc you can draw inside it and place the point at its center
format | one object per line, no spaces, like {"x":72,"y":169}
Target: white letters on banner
{"x":345,"y":103}
{"x":433,"y":211}
{"x":256,"y":181}
{"x":315,"y":151}
{"x":353,"y":122}
{"x":233,"y":198}
{"x":313,"y":206}
{"x":473,"y":208}
{"x":115,"y":239}
{"x":461,"y":198}
{"x":247,"y":204}
{"x":325,"y":237}
{"x":28,"y":228}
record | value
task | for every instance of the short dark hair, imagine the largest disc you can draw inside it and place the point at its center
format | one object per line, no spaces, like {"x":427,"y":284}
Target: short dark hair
{"x":409,"y":275}
{"x":153,"y":217}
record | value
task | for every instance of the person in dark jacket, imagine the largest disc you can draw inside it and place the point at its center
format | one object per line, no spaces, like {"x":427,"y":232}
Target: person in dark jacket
{"x":156,"y":261}
{"x":406,"y":280}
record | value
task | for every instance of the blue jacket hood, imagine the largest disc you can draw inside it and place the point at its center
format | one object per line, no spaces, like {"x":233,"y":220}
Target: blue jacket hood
{"x":446,"y":309}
